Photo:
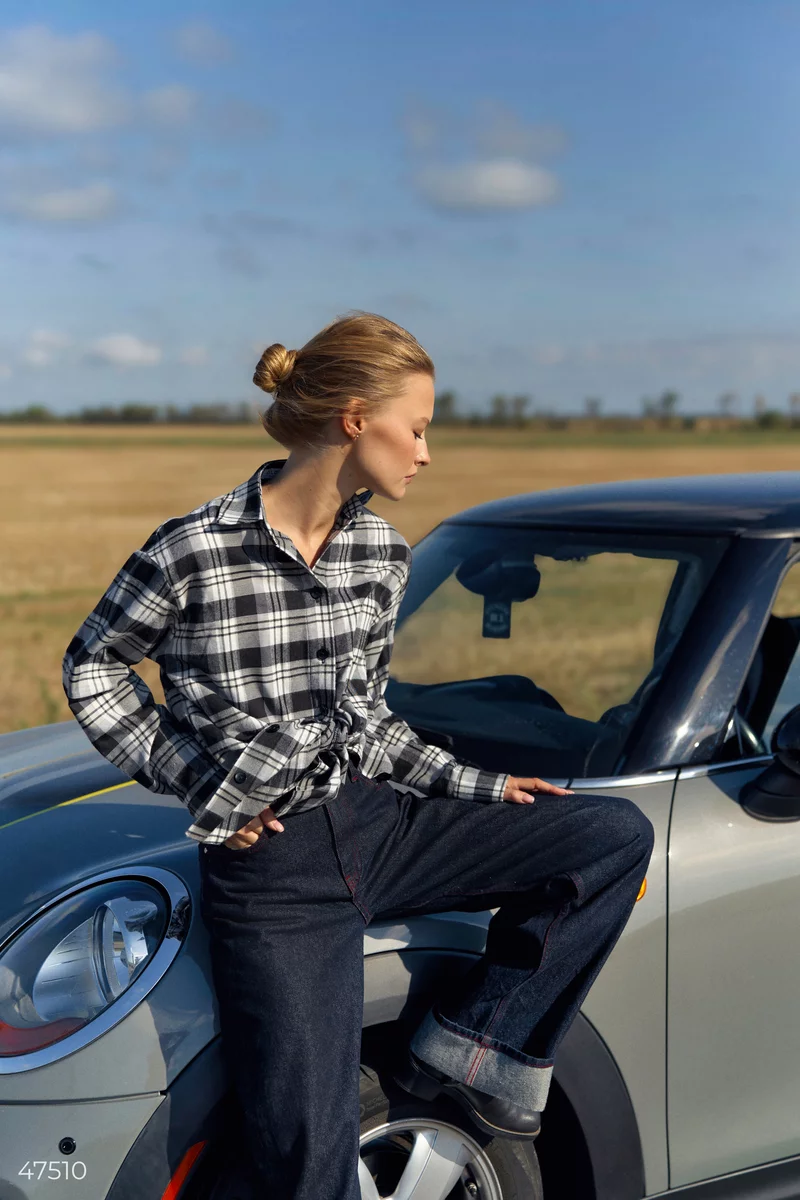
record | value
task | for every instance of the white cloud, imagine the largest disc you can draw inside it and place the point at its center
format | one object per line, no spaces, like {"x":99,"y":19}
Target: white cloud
{"x":748,"y":355}
{"x":63,"y":85}
{"x":500,"y":133}
{"x":200,"y":42}
{"x":173,"y":104}
{"x":486,"y":162}
{"x":51,"y":84}
{"x":92,"y":202}
{"x":43,"y":347}
{"x":193,"y":356}
{"x":500,"y":183}
{"x":744,"y":359}
{"x":124,"y":350}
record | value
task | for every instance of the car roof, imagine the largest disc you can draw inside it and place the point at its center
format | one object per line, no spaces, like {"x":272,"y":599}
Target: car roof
{"x":761,"y":503}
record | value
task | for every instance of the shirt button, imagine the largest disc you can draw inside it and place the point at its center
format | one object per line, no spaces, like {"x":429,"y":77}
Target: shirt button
{"x":322,"y":653}
{"x":239,"y":777}
{"x":316,"y":592}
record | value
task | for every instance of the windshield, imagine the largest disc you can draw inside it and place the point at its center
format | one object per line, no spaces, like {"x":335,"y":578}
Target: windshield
{"x":532,"y":651}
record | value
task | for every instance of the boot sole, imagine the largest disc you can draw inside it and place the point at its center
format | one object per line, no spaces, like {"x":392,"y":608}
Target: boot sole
{"x":422,"y":1085}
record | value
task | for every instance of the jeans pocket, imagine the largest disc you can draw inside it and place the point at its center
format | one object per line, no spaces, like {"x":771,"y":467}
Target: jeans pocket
{"x":262,"y":837}
{"x":220,"y":850}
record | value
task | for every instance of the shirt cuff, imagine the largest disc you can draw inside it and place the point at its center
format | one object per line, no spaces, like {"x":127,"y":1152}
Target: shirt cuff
{"x":473,"y":783}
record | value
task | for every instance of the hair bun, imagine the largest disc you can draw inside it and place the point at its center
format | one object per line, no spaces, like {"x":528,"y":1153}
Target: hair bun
{"x":274,"y":367}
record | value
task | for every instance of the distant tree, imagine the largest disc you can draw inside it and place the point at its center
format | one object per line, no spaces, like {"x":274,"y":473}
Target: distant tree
{"x":445,"y":407}
{"x":727,"y":402}
{"x":138,"y":413}
{"x":593,"y":405}
{"x":210,"y":414}
{"x":37,"y":413}
{"x":649,"y":406}
{"x":667,"y":403}
{"x":518,"y":406}
{"x":760,"y":406}
{"x":103,"y":414}
{"x":499,"y":410}
{"x":794,"y":407}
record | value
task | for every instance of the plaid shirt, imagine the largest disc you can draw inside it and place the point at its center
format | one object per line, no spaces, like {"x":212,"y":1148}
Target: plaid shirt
{"x":274,"y":673}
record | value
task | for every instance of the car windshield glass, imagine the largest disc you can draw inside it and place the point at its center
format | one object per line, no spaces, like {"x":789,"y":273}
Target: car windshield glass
{"x":532,"y":651}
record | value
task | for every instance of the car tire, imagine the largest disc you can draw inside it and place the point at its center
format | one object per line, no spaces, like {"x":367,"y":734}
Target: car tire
{"x":391,"y":1119}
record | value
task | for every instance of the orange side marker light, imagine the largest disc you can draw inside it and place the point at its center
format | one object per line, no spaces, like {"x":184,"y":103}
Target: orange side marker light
{"x":175,"y":1185}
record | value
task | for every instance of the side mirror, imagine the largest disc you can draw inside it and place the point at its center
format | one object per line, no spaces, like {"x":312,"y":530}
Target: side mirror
{"x":774,"y":795}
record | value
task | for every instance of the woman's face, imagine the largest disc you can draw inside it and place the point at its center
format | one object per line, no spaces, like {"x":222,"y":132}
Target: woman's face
{"x":391,"y":447}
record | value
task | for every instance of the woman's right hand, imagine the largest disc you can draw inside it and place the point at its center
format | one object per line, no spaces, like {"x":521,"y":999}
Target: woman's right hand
{"x":252,"y":831}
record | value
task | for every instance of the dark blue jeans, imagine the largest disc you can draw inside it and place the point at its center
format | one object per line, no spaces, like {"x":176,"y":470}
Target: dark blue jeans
{"x":286,"y":919}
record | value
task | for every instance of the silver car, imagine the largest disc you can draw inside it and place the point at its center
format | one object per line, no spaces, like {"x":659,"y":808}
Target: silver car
{"x":637,"y":639}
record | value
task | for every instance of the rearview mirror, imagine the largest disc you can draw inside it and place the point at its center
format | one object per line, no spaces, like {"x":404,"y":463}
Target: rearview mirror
{"x":502,"y":580}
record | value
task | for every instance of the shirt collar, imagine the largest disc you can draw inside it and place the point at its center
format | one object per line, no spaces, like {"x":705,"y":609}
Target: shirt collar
{"x":244,"y":504}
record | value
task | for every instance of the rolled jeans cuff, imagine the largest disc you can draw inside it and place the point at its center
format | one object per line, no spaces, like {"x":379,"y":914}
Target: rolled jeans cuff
{"x":483,"y":1062}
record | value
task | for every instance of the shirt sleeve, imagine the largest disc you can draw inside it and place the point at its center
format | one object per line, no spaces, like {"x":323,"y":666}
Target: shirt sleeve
{"x":415,"y":762}
{"x":112,"y":703}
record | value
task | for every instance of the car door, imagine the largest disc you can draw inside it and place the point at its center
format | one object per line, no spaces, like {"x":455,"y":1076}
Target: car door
{"x":533,"y":651}
{"x":733,"y":974}
{"x":626,"y":1004}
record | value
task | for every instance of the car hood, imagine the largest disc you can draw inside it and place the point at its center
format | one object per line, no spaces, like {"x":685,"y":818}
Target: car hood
{"x":67,"y":813}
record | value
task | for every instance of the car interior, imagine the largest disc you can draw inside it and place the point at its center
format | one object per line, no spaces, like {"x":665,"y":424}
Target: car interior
{"x":509,"y":722}
{"x":762,"y":688}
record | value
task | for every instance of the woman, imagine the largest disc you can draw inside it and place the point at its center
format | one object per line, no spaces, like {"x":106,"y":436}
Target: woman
{"x":271,"y":611}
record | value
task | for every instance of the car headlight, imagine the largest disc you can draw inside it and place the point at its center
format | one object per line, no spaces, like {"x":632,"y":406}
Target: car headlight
{"x":82,"y":955}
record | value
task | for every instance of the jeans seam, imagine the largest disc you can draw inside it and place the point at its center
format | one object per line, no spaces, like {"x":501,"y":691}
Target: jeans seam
{"x":352,"y":841}
{"x":481,"y":1051}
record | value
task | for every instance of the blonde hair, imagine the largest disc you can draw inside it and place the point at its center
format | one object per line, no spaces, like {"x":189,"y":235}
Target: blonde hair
{"x":357,"y":356}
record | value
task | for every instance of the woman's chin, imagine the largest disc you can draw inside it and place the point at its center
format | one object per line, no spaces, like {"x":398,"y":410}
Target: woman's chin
{"x":393,"y":491}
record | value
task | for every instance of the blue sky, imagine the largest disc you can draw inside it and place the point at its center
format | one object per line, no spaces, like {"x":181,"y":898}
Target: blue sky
{"x":559,"y":199}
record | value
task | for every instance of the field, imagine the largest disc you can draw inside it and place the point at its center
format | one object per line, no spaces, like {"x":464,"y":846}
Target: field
{"x":76,"y":500}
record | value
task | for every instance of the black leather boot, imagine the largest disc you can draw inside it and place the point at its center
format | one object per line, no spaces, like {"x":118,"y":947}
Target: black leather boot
{"x":492,"y":1114}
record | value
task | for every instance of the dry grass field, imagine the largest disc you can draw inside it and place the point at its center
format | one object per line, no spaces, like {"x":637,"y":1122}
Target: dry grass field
{"x":76,"y":500}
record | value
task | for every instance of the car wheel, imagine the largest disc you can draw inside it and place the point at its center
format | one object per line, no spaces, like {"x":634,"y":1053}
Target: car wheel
{"x":431,"y":1150}
{"x":407,"y":1147}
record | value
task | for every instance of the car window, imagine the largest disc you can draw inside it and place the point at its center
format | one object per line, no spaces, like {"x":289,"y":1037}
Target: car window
{"x":534,"y":651}
{"x":772,"y":686}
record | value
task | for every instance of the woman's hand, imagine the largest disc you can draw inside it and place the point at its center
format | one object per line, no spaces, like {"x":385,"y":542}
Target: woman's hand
{"x":517,"y":789}
{"x":252,"y":831}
